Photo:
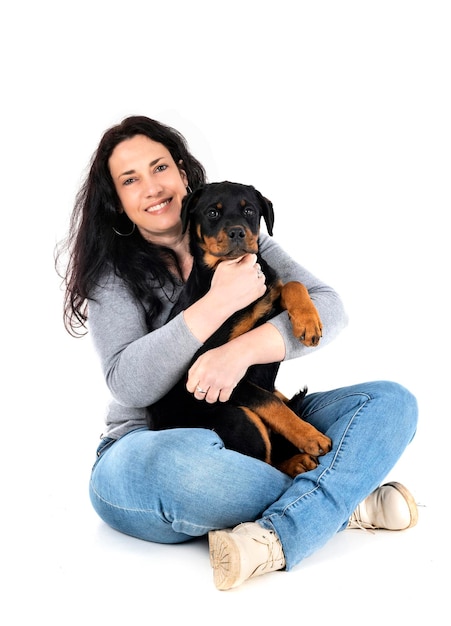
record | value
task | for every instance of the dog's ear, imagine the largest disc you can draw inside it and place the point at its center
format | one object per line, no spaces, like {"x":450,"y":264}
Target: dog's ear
{"x":267,"y":211}
{"x":188,"y":205}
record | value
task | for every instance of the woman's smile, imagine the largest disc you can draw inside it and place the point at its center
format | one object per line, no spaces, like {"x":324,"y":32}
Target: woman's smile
{"x":158,"y":207}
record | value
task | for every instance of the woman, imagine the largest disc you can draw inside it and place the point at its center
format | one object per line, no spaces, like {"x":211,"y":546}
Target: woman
{"x":128,"y":261}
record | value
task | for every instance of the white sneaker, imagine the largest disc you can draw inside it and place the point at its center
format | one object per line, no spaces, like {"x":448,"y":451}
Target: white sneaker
{"x":389,"y":507}
{"x":246,"y":551}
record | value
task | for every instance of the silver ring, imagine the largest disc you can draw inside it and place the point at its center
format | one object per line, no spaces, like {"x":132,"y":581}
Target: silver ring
{"x":199,"y":390}
{"x":259,"y":274}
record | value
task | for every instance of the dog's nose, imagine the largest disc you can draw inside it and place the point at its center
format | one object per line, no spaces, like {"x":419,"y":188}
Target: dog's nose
{"x":236,"y":232}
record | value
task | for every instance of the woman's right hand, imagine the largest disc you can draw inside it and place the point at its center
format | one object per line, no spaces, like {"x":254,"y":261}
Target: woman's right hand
{"x":237,"y":283}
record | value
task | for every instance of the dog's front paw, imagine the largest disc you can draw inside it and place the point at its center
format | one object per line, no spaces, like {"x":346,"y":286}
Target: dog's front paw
{"x":307,"y":327}
{"x":304,"y":317}
{"x":298,"y":464}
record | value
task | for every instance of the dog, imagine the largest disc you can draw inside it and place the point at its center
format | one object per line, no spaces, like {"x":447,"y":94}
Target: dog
{"x":224,"y":223}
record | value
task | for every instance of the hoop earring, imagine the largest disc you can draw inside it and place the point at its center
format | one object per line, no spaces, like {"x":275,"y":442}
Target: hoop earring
{"x":125,"y":234}
{"x":189,"y":190}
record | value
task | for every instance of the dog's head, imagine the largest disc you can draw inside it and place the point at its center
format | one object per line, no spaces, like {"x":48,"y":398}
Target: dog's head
{"x":225,"y":219}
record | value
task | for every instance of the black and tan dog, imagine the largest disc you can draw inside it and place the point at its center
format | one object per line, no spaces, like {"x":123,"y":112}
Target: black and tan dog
{"x":224,"y":221}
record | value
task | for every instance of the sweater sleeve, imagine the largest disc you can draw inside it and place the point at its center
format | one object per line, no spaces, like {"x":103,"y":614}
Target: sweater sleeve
{"x":326,"y":299}
{"x":139,"y":366}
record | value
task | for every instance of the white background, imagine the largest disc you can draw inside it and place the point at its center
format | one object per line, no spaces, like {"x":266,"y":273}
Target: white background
{"x":339,"y":112}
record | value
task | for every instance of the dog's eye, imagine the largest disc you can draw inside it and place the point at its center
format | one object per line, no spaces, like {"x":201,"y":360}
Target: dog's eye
{"x":213,"y":214}
{"x":248,"y":211}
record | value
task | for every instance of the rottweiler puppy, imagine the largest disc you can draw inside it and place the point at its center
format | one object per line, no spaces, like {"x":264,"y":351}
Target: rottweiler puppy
{"x":224,"y":223}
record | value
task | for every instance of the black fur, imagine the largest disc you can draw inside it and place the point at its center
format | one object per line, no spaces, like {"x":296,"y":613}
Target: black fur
{"x":224,"y":222}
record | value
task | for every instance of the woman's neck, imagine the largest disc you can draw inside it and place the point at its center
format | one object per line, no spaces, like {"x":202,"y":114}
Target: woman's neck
{"x":180,"y":246}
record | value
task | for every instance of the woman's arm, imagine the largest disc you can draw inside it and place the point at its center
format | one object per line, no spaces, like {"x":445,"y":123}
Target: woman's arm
{"x":235,"y":284}
{"x":327,"y":301}
{"x":219,"y":370}
{"x":141,"y":366}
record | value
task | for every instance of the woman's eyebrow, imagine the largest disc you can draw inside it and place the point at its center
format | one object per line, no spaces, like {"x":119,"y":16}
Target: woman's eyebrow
{"x":151,"y":164}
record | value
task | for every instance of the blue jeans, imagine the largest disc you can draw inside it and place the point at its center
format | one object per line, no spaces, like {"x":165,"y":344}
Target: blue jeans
{"x":172,"y":485}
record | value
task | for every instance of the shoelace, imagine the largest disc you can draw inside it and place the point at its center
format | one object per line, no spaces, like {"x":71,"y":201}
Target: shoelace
{"x":275,"y":553}
{"x":356,"y":522}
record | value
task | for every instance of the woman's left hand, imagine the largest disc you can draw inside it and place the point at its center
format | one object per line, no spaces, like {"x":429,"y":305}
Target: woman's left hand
{"x":216,"y":373}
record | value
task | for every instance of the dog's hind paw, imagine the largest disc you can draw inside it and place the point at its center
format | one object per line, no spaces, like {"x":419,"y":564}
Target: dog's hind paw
{"x":298,"y":464}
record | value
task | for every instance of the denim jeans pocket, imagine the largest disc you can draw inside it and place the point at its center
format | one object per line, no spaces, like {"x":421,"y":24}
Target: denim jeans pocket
{"x":103,"y":446}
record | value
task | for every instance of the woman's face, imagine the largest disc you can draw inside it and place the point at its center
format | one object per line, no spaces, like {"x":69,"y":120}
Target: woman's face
{"x":150,"y":186}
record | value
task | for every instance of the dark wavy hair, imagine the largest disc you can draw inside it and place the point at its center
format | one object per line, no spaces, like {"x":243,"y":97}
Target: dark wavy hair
{"x":92,"y":245}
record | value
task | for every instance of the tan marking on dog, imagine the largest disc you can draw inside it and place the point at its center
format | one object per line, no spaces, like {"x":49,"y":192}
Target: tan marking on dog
{"x":259,"y":310}
{"x":219,"y":245}
{"x":255,"y":419}
{"x":281,"y":396}
{"x":282,"y":420}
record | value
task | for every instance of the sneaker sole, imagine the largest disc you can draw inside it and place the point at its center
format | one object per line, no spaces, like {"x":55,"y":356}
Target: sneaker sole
{"x":224,"y":559}
{"x":410,"y":502}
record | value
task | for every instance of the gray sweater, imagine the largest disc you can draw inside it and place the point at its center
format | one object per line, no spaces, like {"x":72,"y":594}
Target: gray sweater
{"x":141,"y":366}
